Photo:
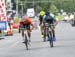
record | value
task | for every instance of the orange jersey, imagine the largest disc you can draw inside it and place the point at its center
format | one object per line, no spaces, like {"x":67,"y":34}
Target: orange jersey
{"x":27,"y":21}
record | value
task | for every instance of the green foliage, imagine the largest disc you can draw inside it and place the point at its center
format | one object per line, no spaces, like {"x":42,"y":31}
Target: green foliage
{"x":44,"y":7}
{"x":53,"y":9}
{"x":57,"y":5}
{"x":38,"y":8}
{"x":60,"y":17}
{"x":16,"y":20}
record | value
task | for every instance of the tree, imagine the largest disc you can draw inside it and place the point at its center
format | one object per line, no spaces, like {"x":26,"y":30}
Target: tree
{"x":38,"y":8}
{"x":53,"y":9}
{"x":66,"y":5}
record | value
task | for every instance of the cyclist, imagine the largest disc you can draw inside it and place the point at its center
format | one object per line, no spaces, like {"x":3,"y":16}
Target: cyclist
{"x":42,"y":13}
{"x":50,"y":19}
{"x":9,"y":19}
{"x":25,"y":23}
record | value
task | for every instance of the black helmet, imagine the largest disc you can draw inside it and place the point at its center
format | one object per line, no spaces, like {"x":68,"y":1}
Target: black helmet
{"x":47,"y":13}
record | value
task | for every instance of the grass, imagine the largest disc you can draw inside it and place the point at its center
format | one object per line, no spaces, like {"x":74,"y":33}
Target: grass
{"x":60,"y":17}
{"x":15,"y":30}
{"x":16,"y":20}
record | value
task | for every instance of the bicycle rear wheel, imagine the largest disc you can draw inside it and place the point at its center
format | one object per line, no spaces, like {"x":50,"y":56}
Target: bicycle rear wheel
{"x":44,"y":38}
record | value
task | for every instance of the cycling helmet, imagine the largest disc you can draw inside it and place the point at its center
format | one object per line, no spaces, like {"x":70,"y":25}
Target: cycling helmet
{"x":47,"y":13}
{"x":23,"y":18}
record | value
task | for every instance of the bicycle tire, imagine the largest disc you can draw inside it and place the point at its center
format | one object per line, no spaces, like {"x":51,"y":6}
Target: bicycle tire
{"x":51,"y":39}
{"x":44,"y":38}
{"x":26,"y":42}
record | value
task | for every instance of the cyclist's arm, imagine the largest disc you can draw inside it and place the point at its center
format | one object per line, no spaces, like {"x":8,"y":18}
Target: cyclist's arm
{"x":53,"y":17}
{"x":44,"y":19}
{"x":32,"y":26}
{"x":30,"y":22}
{"x":20,"y":22}
{"x":55,"y":22}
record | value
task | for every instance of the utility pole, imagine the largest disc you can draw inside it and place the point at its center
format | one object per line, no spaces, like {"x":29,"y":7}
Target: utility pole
{"x":17,"y":7}
{"x":33,"y":3}
{"x":22,"y":7}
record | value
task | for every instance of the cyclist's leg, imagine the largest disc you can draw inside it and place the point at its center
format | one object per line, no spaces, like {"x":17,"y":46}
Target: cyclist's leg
{"x":54,"y":38}
{"x":40,"y":19}
{"x":9,"y":25}
{"x":29,"y":35}
{"x":19,"y":29}
{"x":53,"y":31}
{"x":42,"y":30}
{"x":22,"y":31}
{"x":28,"y":31}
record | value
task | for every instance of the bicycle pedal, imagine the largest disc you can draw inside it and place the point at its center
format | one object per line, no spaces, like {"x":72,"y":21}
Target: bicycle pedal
{"x":29,"y":40}
{"x":24,"y":42}
{"x":29,"y":43}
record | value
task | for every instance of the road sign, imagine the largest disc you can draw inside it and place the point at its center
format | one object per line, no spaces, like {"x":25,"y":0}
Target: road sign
{"x":2,"y":11}
{"x":3,"y":25}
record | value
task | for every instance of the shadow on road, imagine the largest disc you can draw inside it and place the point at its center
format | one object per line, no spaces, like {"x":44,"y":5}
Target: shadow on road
{"x":1,"y":38}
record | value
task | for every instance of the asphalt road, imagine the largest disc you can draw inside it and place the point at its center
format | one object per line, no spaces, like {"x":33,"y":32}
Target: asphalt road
{"x":12,"y":46}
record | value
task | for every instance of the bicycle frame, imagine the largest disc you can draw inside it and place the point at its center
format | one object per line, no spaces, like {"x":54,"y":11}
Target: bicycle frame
{"x":47,"y":28}
{"x":48,"y":32}
{"x":24,"y":31}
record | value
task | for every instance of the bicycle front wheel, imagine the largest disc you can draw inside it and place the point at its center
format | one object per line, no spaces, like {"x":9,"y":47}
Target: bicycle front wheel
{"x":26,"y":42}
{"x":51,"y":39}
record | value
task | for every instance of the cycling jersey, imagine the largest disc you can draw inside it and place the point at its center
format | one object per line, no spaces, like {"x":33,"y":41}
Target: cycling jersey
{"x":50,"y":20}
{"x":26,"y":24}
{"x":42,"y":13}
{"x":27,"y":21}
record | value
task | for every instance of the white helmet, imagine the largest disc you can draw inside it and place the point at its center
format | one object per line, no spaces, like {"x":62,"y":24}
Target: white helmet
{"x":52,"y":15}
{"x":23,"y":18}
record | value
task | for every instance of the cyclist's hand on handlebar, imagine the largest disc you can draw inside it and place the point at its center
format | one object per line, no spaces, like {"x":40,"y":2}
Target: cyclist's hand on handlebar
{"x":32,"y":28}
{"x":42,"y":24}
